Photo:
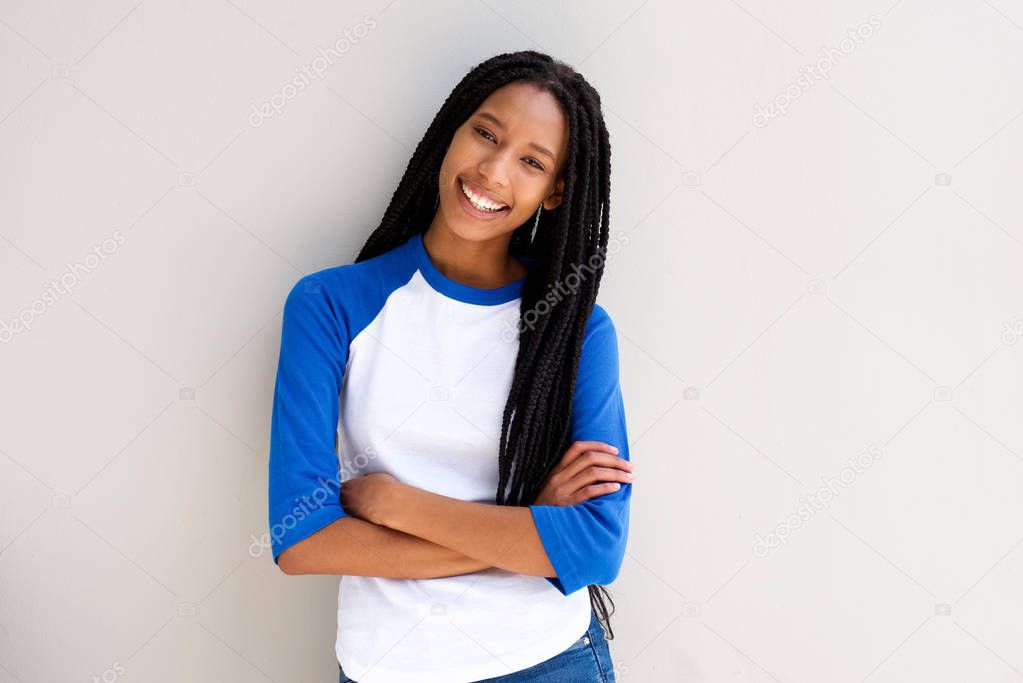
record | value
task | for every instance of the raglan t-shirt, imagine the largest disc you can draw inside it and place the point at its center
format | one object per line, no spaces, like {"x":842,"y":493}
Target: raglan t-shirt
{"x":387,"y":365}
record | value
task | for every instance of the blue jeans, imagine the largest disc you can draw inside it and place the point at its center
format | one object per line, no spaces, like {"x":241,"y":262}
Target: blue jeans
{"x":587,"y":660}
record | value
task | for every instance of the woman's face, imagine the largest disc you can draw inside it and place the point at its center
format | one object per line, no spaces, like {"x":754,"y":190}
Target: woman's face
{"x":508,"y":155}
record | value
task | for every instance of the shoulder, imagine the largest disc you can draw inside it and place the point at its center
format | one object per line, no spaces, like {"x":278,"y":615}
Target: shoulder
{"x":596,"y":403}
{"x":338,"y":283}
{"x":347,"y":282}
{"x":325,"y":284}
{"x":599,"y":319}
{"x":600,"y":328}
{"x":600,"y":341}
{"x":349,"y":293}
{"x":316,"y":293}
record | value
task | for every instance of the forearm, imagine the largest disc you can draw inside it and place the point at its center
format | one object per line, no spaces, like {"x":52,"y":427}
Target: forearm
{"x":496,"y":535}
{"x":357,"y":547}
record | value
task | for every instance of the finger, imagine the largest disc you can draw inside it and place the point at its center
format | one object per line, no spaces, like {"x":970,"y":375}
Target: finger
{"x":566,"y":500}
{"x":594,"y":474}
{"x":595,"y":459}
{"x":580,"y":447}
{"x":595,"y":491}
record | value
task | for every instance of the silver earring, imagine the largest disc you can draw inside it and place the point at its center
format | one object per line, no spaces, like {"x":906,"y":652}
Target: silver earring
{"x":536,"y":223}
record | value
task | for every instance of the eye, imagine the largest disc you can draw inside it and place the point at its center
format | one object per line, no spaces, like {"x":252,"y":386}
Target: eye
{"x":488,"y":135}
{"x":484,"y":132}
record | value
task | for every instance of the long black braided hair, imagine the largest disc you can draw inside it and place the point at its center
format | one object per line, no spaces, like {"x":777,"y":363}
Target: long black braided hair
{"x":535,"y":429}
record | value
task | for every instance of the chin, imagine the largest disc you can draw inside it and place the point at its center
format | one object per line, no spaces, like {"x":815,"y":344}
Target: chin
{"x":466,"y":228}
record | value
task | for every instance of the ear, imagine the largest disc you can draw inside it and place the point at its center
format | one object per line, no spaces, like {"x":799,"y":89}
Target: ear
{"x":555,"y":198}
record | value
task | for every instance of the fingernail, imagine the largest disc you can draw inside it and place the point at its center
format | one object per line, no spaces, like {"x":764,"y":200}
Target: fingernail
{"x":615,"y":487}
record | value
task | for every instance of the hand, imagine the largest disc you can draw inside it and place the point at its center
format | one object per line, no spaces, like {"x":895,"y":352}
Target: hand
{"x":369,"y":496}
{"x":572,"y":480}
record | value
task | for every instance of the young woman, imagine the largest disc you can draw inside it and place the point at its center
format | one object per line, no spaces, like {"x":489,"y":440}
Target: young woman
{"x":463,"y":354}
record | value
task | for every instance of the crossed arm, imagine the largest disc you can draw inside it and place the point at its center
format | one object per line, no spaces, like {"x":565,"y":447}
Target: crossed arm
{"x":392,"y":530}
{"x":399,"y":531}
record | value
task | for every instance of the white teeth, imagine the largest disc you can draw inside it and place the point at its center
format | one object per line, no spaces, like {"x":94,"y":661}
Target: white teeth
{"x":480,"y":202}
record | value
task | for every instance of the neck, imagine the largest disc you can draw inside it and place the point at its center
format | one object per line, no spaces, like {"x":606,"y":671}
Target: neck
{"x":484,"y":264}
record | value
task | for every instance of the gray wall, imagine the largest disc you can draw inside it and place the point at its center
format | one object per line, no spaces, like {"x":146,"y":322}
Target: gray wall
{"x":817,"y":286}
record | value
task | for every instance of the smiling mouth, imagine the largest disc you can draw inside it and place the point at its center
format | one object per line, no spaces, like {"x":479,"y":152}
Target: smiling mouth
{"x":479,"y":202}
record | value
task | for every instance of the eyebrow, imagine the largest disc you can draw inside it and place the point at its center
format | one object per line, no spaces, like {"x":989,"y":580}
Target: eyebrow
{"x":497,"y":122}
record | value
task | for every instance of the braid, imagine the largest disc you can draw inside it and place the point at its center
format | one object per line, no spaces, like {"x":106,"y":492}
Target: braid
{"x":535,"y":427}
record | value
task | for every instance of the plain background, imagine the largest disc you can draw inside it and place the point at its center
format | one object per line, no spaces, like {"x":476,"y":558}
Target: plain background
{"x":799,"y":290}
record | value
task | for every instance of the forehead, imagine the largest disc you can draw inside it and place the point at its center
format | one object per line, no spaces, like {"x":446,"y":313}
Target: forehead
{"x":531,"y":113}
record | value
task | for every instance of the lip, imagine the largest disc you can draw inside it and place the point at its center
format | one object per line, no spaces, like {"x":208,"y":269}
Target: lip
{"x":480,"y":190}
{"x":467,"y":206}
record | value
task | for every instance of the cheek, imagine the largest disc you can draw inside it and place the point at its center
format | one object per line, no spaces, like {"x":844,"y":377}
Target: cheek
{"x":460,"y":151}
{"x":530,"y":192}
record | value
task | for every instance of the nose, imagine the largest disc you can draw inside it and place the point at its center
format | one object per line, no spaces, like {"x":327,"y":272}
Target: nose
{"x":494,"y":169}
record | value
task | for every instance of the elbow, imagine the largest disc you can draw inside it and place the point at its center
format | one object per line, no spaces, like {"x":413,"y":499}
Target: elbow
{"x":303,"y":549}
{"x":617,"y":560}
{"x":616,"y":565}
{"x":606,"y":571}
{"x":290,"y":562}
{"x":610,"y":575}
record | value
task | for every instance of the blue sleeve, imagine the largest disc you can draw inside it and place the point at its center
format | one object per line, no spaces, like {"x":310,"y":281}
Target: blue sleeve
{"x":585,"y":543}
{"x":304,"y":466}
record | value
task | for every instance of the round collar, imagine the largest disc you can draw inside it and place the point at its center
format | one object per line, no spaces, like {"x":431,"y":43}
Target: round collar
{"x":459,"y":291}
